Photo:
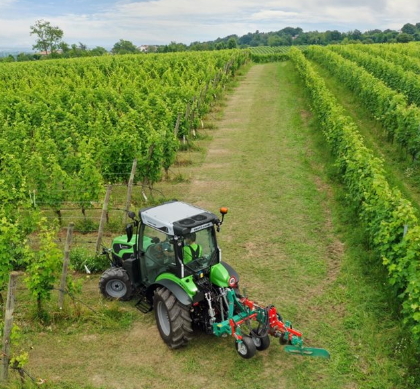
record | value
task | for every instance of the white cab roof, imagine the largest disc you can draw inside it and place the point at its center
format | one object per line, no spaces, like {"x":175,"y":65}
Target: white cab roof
{"x":163,"y":216}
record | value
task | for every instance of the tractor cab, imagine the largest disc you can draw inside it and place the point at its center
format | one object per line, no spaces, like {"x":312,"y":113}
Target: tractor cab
{"x":171,"y":244}
{"x":181,"y":255}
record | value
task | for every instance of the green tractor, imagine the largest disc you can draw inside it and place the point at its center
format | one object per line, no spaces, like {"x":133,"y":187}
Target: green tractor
{"x":169,"y":259}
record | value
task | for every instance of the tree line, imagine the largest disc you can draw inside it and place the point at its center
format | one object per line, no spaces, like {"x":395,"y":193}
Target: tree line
{"x":296,"y":36}
{"x":291,"y":36}
{"x":49,"y":41}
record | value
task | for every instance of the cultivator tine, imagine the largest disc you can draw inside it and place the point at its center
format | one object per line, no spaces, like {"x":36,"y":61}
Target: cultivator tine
{"x":308,"y":351}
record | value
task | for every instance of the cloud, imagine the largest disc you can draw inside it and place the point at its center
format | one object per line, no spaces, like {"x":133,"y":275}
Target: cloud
{"x":104,"y":22}
{"x":6,"y":3}
{"x":274,"y":14}
{"x":397,"y":13}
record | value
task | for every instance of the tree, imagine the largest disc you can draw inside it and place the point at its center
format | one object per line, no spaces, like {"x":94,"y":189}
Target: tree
{"x":274,"y":40}
{"x":175,"y":47}
{"x":9,"y":58}
{"x":26,"y":57}
{"x":333,"y":36}
{"x":409,"y":28}
{"x":98,"y":50}
{"x":404,"y":38}
{"x":64,"y":47}
{"x":356,"y":35}
{"x":291,"y":31}
{"x":124,"y":47}
{"x":49,"y":37}
{"x":246,"y":39}
{"x":232,"y":43}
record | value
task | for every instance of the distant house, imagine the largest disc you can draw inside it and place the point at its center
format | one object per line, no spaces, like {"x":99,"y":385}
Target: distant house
{"x":144,"y":48}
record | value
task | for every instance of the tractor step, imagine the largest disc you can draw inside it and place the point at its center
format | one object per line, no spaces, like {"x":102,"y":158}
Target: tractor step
{"x":143,"y":305}
{"x":308,"y":351}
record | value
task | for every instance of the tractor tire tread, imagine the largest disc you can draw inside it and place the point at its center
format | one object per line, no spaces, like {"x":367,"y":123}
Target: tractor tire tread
{"x":115,"y":273}
{"x":179,"y":317}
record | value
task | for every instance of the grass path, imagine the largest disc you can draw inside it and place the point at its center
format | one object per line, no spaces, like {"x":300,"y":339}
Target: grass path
{"x":289,"y":242}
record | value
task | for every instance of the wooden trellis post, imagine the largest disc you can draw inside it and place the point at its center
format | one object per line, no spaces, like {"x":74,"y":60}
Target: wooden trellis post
{"x":65,"y":265}
{"x":103,"y":219}
{"x":130,"y":189}
{"x":8,"y":324}
{"x":176,"y":129}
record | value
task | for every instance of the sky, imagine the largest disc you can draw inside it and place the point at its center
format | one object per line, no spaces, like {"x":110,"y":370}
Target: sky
{"x":105,"y":22}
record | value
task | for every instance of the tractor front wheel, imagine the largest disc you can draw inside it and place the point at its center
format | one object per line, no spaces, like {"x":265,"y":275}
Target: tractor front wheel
{"x":246,"y":349}
{"x":173,"y":319}
{"x":115,"y":284}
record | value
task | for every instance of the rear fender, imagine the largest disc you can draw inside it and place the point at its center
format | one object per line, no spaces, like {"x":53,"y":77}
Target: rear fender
{"x":231,"y":271}
{"x":180,"y":294}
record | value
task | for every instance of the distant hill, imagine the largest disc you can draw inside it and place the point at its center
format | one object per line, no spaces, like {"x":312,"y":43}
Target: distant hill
{"x":5,"y":52}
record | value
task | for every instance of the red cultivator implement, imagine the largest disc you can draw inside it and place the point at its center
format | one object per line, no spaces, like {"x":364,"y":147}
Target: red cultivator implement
{"x":260,"y":323}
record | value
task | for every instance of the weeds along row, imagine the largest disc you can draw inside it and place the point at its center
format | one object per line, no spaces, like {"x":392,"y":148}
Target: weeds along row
{"x":388,"y":219}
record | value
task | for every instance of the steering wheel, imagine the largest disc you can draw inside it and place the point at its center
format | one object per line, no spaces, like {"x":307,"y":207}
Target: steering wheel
{"x":197,"y":264}
{"x":156,"y":251}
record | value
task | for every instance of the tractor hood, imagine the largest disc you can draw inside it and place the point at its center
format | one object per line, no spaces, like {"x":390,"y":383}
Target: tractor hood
{"x":219,"y":276}
{"x":120,"y":244}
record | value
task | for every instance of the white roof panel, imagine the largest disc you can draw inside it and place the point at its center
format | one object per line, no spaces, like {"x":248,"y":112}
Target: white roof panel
{"x":166,"y":214}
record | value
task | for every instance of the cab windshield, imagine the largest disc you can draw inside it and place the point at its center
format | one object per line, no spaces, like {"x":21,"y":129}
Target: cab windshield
{"x":159,"y":255}
{"x":199,"y":250}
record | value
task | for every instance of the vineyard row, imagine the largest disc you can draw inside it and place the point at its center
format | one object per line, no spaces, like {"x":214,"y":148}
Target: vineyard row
{"x":388,"y":219}
{"x":75,"y":124}
{"x":400,"y":119}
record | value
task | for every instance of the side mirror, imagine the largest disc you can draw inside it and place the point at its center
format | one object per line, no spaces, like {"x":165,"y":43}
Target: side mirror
{"x":129,"y":232}
{"x":131,"y":215}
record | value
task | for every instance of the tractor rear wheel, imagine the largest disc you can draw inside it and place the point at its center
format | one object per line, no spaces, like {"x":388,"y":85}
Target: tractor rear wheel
{"x":115,"y":284}
{"x":173,"y":319}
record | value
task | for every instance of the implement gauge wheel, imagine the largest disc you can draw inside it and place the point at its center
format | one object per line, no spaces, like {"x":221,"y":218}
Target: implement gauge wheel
{"x":115,"y":284}
{"x":261,"y":342}
{"x":246,"y":349}
{"x":173,"y":319}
